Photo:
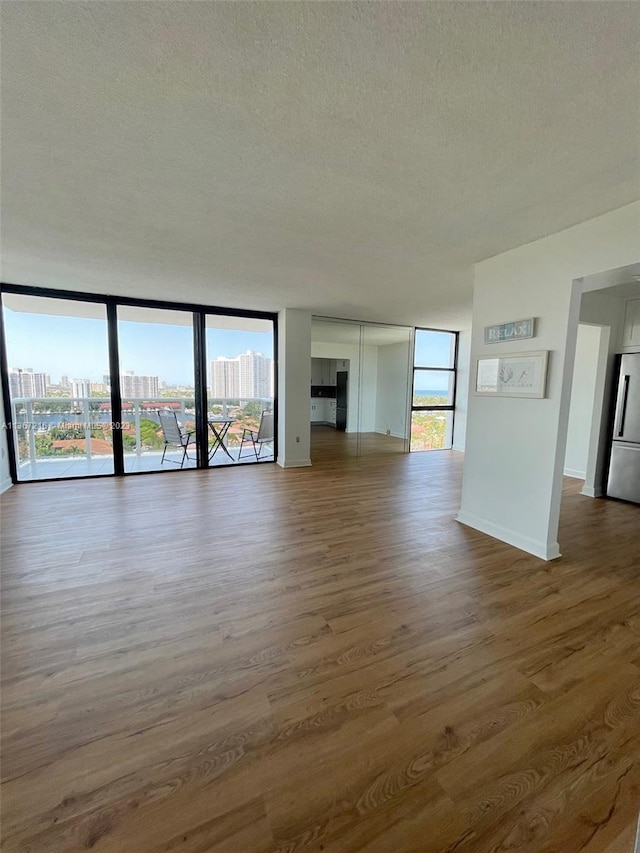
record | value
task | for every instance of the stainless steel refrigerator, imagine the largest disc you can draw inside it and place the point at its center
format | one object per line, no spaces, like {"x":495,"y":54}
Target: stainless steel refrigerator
{"x":624,"y":467}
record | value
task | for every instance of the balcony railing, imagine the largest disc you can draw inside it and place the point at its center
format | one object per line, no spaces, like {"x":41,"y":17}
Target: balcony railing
{"x":46,"y":429}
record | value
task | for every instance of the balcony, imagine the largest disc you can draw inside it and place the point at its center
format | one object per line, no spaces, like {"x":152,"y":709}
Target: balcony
{"x":77,"y":442}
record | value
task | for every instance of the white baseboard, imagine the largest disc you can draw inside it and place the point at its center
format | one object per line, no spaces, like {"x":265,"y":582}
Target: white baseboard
{"x":544,"y":550}
{"x":458,"y":447}
{"x":5,"y":484}
{"x":394,"y":434}
{"x":295,"y":463}
{"x":577,"y":475}
{"x":591,"y":492}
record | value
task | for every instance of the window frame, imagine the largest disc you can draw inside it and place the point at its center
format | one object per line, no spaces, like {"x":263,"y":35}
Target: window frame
{"x":448,"y":407}
{"x":111,"y":303}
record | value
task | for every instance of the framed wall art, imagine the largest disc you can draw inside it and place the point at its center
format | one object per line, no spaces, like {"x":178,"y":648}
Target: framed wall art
{"x":520,"y":374}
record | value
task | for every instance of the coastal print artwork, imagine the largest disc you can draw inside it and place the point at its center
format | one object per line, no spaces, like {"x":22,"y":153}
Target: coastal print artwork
{"x":514,"y":375}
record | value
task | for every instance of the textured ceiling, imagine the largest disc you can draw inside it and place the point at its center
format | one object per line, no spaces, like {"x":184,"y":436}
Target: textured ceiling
{"x":353,"y":159}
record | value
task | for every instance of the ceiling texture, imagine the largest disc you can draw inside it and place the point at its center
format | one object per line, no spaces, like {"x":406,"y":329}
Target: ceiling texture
{"x":354,"y":159}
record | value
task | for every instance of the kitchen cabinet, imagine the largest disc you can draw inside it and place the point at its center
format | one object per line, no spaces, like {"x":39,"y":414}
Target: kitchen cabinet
{"x":321,"y":371}
{"x":631,"y":329}
{"x":318,"y":410}
{"x":323,"y":411}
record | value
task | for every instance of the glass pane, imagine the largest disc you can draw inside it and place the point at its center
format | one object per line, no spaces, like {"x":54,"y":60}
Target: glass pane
{"x":434,"y":349}
{"x":240,"y":389}
{"x":158,"y":389}
{"x":60,"y":408}
{"x":431,"y":430}
{"x":433,"y":387}
{"x":335,"y":389}
{"x":384,"y":389}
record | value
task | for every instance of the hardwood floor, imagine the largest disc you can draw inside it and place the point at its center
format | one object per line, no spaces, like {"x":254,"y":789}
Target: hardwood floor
{"x":256,"y":660}
{"x":332,"y":445}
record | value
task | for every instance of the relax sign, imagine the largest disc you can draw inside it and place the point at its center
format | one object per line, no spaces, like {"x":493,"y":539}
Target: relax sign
{"x":509,"y":331}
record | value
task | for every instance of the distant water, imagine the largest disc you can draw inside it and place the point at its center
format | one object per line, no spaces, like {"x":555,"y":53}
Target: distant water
{"x":429,"y":393}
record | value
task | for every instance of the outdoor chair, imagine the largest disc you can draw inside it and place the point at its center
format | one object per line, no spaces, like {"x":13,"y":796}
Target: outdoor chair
{"x":257,"y":438}
{"x":175,"y":436}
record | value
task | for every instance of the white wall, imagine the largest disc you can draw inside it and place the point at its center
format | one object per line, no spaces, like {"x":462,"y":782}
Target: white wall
{"x":462,"y":389}
{"x":294,"y":381}
{"x":583,"y":395}
{"x":391,"y":397}
{"x":5,"y":477}
{"x":515,"y":448}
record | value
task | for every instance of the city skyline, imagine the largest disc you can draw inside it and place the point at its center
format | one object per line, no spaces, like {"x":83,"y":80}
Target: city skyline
{"x":54,"y":345}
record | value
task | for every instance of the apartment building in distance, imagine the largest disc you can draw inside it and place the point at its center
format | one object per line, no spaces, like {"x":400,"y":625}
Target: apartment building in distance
{"x":23,"y":382}
{"x":134,"y":384}
{"x":247,"y":375}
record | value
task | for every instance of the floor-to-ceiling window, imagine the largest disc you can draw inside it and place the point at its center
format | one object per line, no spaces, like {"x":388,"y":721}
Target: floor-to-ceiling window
{"x":99,"y":385}
{"x":434,"y":388}
{"x":59,"y":405}
{"x":157,"y":387}
{"x":240,"y":389}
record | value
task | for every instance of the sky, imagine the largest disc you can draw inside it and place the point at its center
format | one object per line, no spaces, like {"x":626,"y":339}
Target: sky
{"x":77,"y":347}
{"x":433,"y":349}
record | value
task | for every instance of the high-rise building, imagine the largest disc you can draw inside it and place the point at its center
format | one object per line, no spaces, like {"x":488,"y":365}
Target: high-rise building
{"x":225,"y":378}
{"x":23,"y":382}
{"x":80,"y":388}
{"x":255,"y":374}
{"x":247,"y":375}
{"x":134,"y":385}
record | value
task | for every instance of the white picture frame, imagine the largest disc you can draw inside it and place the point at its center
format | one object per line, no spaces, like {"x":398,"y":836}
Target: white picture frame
{"x":516,"y":374}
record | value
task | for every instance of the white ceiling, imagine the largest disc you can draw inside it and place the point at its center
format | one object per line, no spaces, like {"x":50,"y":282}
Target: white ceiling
{"x":353,"y":159}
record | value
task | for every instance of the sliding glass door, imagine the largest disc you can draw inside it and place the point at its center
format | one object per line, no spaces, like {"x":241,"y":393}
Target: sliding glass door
{"x":240,"y":389}
{"x":60,"y":408}
{"x":99,"y":385}
{"x":157,"y":388}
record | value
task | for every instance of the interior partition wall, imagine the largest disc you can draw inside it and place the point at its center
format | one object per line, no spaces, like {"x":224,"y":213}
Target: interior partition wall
{"x":87,"y":381}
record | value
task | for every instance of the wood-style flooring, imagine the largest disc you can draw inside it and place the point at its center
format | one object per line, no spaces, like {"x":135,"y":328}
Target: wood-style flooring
{"x":254,"y":660}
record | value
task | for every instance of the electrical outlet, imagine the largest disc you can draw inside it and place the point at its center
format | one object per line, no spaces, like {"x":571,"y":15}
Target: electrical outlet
{"x":388,"y":431}
{"x":297,"y":439}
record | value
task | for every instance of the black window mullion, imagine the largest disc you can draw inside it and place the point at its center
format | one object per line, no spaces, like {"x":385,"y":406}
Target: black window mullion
{"x":200,"y":379}
{"x":6,"y":400}
{"x":116,"y":396}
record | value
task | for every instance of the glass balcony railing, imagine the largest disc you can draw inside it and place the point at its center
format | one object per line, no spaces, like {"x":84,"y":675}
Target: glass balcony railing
{"x":63,"y":437}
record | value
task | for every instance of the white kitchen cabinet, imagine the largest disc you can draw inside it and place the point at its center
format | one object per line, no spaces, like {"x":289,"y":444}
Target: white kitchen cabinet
{"x":631,"y":330}
{"x":321,"y":371}
{"x":318,"y":410}
{"x":331,"y":412}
